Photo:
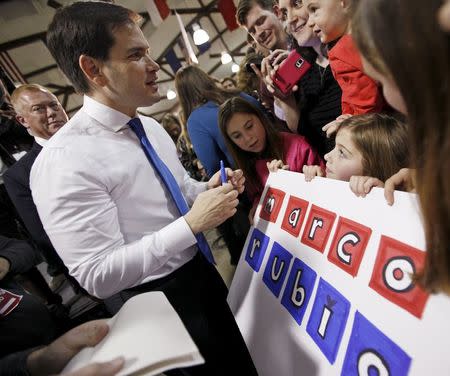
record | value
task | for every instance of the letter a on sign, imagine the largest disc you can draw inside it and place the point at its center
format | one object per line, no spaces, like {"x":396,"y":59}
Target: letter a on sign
{"x":295,"y":214}
{"x":348,"y":245}
{"x":318,"y":228}
{"x":272,"y":204}
{"x":394,"y":268}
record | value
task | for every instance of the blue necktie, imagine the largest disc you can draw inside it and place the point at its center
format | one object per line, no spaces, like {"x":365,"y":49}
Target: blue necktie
{"x":169,"y":181}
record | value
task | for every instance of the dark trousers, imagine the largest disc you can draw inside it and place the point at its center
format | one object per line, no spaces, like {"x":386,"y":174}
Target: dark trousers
{"x":198,"y":294}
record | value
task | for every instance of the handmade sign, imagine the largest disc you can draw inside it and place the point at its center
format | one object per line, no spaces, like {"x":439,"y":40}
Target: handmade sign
{"x":325,"y":284}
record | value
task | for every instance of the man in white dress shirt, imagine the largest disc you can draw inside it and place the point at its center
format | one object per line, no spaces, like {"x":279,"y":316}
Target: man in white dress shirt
{"x":104,"y":206}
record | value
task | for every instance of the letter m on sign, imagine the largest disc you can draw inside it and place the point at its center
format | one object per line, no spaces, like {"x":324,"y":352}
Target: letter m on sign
{"x":272,"y":204}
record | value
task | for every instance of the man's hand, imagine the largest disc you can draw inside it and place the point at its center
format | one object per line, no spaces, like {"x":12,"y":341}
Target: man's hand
{"x":53,"y":358}
{"x":404,"y":179}
{"x":312,"y":171}
{"x":4,"y":267}
{"x":236,"y":178}
{"x":361,"y":185}
{"x":212,"y":207}
{"x":110,"y":368}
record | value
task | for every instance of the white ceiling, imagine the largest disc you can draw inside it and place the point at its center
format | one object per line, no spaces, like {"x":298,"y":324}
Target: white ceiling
{"x":25,"y":18}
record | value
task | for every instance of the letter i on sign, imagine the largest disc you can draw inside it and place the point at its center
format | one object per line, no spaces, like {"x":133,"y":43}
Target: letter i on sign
{"x":328,"y":319}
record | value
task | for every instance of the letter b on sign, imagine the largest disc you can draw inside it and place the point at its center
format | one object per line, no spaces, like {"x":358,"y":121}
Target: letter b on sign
{"x":298,"y":290}
{"x":395,"y":265}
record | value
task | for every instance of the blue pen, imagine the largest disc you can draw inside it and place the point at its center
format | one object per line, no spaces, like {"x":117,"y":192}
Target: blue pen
{"x":223,"y":173}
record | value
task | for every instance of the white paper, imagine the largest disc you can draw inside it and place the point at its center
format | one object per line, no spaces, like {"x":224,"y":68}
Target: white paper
{"x":149,"y":334}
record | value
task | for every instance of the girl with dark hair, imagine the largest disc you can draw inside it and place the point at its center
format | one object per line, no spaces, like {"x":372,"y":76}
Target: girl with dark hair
{"x":200,"y":99}
{"x":257,"y":148}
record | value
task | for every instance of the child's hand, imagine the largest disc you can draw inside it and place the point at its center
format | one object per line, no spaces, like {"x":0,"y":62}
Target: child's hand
{"x":404,"y":179}
{"x":332,"y":126}
{"x":312,"y":171}
{"x":275,"y":164}
{"x":361,"y":185}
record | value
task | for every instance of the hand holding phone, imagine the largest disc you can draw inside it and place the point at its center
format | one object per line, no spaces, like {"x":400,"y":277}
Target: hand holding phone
{"x":292,"y":70}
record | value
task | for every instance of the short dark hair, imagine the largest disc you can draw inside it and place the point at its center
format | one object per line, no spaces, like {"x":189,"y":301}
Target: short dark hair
{"x":245,"y":6}
{"x":84,"y":28}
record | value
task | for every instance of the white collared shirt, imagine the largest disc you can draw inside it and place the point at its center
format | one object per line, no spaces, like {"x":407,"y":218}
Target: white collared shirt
{"x":40,"y":141}
{"x":105,"y":208}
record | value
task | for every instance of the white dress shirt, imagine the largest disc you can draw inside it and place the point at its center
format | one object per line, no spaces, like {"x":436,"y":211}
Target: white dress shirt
{"x":104,"y":207}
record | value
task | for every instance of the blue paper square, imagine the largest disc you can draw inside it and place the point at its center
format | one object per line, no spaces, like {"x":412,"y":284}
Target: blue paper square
{"x":298,"y":289}
{"x":328,"y":319}
{"x":256,"y":249}
{"x":371,"y":352}
{"x":276,"y":268}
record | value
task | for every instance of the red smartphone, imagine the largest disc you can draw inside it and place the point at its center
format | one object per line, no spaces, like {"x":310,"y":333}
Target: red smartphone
{"x":291,"y":71}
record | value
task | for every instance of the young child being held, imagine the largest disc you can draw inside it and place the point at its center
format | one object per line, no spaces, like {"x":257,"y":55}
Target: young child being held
{"x":258,"y":148}
{"x":330,"y":20}
{"x":369,"y":149}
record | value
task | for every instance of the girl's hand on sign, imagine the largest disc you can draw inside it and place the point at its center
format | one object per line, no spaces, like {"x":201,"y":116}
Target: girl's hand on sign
{"x":361,"y":185}
{"x":276,"y":164}
{"x":402,"y":180}
{"x":312,"y":171}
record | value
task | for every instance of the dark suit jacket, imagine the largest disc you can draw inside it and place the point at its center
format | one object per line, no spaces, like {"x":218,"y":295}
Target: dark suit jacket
{"x":17,"y":182}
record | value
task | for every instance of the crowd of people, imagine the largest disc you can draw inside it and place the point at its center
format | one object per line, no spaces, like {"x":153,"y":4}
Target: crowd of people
{"x":116,"y":203}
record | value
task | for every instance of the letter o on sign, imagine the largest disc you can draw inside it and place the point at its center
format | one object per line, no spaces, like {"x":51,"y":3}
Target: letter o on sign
{"x":398,"y":272}
{"x":370,"y":359}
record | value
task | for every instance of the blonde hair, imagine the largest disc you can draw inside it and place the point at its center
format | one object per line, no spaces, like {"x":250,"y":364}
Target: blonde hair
{"x":18,"y":92}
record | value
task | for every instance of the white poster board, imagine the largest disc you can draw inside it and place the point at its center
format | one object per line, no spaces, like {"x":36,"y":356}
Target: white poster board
{"x":324,"y":284}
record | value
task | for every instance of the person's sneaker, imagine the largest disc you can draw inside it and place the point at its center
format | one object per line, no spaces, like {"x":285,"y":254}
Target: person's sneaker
{"x":57,"y":282}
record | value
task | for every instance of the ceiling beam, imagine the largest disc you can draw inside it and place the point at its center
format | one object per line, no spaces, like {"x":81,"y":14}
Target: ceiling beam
{"x":39,"y":71}
{"x":23,"y":41}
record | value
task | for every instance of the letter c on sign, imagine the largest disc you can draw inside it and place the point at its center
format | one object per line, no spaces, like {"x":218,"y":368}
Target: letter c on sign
{"x":371,"y":359}
{"x":351,"y":238}
{"x":397,"y":274}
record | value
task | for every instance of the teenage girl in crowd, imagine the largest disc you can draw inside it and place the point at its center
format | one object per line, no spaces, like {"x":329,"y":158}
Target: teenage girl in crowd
{"x":200,"y":99}
{"x":416,"y":81}
{"x":257,"y":147}
{"x":369,"y":149}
